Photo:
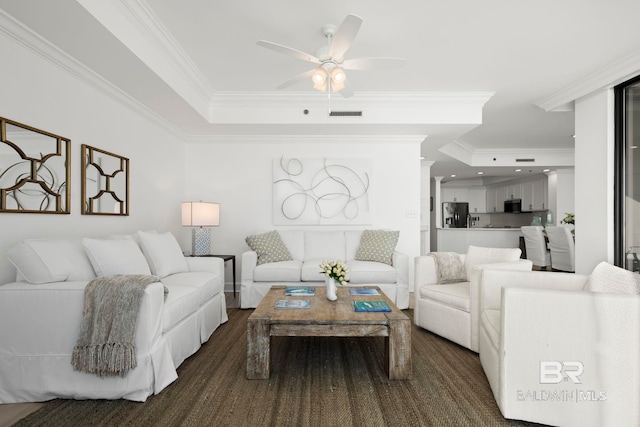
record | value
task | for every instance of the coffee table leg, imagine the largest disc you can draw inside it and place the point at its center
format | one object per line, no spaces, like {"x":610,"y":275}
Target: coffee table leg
{"x":398,"y":351}
{"x":258,"y":348}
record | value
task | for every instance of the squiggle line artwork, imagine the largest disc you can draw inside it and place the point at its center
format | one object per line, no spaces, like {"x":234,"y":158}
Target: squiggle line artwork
{"x":321,"y":191}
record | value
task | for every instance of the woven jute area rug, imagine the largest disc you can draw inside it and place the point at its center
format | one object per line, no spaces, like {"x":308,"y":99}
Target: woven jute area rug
{"x":315,"y":381}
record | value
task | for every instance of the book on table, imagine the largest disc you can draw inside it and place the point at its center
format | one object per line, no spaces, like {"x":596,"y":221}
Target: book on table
{"x":292,"y":303}
{"x":363,"y":291}
{"x":301,"y":291}
{"x":371,"y":306}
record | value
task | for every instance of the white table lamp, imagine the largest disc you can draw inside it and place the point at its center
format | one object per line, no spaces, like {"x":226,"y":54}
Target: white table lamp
{"x":199,"y":215}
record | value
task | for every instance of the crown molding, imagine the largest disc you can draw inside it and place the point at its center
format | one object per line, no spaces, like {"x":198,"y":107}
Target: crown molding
{"x":24,"y":36}
{"x":140,"y":30}
{"x":617,"y":72}
{"x":364,"y":139}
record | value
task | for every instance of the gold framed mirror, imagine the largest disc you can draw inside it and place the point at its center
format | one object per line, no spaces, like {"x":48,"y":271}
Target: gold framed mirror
{"x":105,"y":182}
{"x":35,"y":170}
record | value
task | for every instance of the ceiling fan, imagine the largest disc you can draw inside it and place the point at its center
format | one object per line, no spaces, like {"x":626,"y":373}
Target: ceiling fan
{"x":329,"y":73}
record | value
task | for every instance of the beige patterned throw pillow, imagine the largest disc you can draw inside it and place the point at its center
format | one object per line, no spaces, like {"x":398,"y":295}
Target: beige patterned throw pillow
{"x":269,"y":247}
{"x":377,"y":245}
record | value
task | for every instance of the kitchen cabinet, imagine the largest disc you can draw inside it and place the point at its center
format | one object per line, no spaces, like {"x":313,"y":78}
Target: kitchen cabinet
{"x":501,"y":196}
{"x":513,"y":191}
{"x":477,"y":200}
{"x":534,"y":195}
{"x":454,"y":194}
{"x":492,"y":195}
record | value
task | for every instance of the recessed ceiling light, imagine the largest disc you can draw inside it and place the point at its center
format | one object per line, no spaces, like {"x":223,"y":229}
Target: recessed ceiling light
{"x":453,"y":175}
{"x":573,"y":136}
{"x":518,"y":170}
{"x":546,"y":170}
{"x":421,"y":157}
{"x":480,"y":173}
{"x":633,"y":147}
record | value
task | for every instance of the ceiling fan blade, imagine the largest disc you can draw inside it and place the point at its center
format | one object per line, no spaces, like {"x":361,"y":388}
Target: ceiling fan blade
{"x":373,"y":63}
{"x":297,"y":79}
{"x":288,"y":51}
{"x":344,"y":36}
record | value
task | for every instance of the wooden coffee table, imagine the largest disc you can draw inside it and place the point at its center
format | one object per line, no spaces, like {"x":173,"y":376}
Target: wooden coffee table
{"x":327,"y":319}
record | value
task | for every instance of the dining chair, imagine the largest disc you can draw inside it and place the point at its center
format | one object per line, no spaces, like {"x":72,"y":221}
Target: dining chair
{"x":536,"y":246}
{"x":562,"y":248}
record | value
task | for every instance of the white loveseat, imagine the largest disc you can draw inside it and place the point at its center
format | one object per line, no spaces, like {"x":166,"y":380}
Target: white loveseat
{"x":307,"y":250}
{"x":41,"y":314}
{"x":452,"y":310}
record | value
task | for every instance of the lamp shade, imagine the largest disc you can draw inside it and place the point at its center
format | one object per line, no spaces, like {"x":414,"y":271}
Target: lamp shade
{"x":200,"y":214}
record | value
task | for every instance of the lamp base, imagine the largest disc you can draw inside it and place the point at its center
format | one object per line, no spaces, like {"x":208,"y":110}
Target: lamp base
{"x":200,"y":241}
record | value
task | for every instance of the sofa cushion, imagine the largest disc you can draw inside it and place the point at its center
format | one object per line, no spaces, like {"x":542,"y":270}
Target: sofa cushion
{"x":324,"y":245}
{"x":163,"y":253}
{"x":120,"y":256}
{"x":208,"y":283}
{"x":377,"y":245}
{"x":456,"y":295}
{"x":282,"y":271}
{"x":311,"y":271}
{"x":609,"y":278}
{"x":490,"y":321}
{"x":31,"y":266}
{"x":478,"y":255}
{"x":371,"y":272}
{"x":269,"y":247}
{"x":181,"y":302}
{"x":294,"y":241}
{"x":51,"y":260}
{"x":134,"y":236}
{"x":352,"y":243}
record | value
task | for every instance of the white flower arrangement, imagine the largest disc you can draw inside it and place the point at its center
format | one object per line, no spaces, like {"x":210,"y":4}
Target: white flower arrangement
{"x":336,"y":270}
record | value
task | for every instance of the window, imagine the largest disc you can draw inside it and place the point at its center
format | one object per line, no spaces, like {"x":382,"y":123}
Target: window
{"x":627,"y":175}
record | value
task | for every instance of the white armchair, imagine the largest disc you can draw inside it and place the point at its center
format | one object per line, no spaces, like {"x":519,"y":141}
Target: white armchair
{"x":558,"y":355}
{"x":452,"y":310}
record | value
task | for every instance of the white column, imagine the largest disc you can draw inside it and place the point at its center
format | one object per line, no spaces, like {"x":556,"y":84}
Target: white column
{"x":437,"y":211}
{"x":425,"y":206}
{"x":594,"y":148}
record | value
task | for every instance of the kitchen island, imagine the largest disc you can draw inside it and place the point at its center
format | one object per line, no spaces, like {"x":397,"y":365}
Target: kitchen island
{"x":459,"y":239}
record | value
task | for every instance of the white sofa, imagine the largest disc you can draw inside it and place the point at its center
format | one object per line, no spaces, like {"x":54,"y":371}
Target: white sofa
{"x":307,"y":250}
{"x":452,"y":310}
{"x":563,"y":349}
{"x":41,"y":314}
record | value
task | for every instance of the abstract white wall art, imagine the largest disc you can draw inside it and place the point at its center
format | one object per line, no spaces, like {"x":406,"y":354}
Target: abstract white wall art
{"x":321,"y":191}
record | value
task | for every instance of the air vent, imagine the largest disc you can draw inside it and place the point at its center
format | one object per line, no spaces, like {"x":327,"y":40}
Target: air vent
{"x":345,"y":113}
{"x":525,"y":160}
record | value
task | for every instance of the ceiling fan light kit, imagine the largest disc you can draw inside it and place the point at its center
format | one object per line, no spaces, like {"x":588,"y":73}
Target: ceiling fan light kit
{"x":320,"y":77}
{"x":330,"y":71}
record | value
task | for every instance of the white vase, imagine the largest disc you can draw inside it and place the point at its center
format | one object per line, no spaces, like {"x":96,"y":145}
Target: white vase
{"x":332,"y":289}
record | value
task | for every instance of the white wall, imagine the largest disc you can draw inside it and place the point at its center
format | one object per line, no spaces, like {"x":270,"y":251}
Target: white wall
{"x":565,"y":194}
{"x":237,"y":173}
{"x":37,"y":93}
{"x":594,"y":171}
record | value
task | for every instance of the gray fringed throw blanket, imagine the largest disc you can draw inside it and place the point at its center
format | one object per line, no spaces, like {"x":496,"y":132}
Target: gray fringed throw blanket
{"x":449,"y":267}
{"x":105,"y":346}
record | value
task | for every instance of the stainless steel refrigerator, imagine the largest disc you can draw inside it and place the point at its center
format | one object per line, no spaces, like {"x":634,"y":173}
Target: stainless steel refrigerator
{"x":454,"y":215}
